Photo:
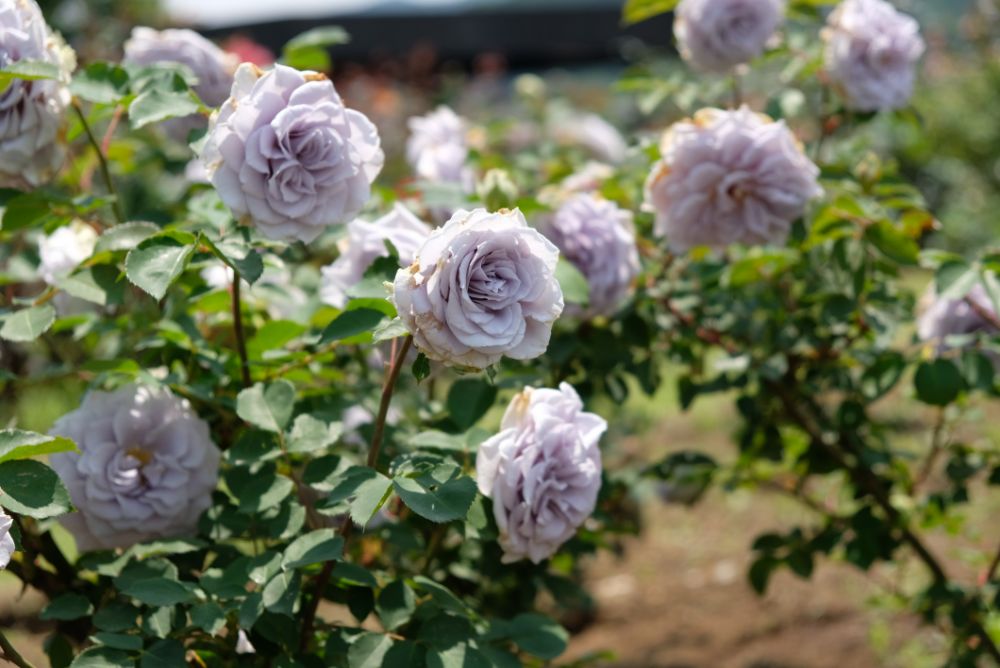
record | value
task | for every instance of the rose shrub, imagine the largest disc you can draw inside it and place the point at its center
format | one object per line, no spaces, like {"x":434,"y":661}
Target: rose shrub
{"x":279,"y":435}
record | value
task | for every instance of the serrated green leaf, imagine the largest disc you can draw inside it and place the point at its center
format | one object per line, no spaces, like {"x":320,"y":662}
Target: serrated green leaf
{"x":125,"y":236}
{"x":268,"y":407}
{"x":440,"y":495}
{"x":19,"y":444}
{"x":32,"y":488}
{"x":159,"y":591}
{"x":313,"y":548}
{"x":158,"y":104}
{"x":98,"y":284}
{"x":67,"y":607}
{"x":28,"y":324}
{"x":350,"y":324}
{"x":156,"y":262}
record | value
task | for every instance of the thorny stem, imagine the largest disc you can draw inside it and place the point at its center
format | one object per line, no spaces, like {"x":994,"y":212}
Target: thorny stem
{"x":116,"y":205}
{"x":937,"y":445}
{"x":323,"y":579}
{"x":241,"y":342}
{"x":12,"y":655}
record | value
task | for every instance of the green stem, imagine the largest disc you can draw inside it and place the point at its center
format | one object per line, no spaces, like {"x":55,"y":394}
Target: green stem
{"x":11,"y":654}
{"x":116,"y":205}
{"x":241,"y":342}
{"x":395,"y":365}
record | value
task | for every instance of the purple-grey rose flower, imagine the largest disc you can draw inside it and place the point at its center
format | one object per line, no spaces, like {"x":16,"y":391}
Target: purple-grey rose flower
{"x":145,"y":469}
{"x":32,"y":112}
{"x":438,"y":148}
{"x":6,"y":539}
{"x":365,"y":242}
{"x":942,"y":317}
{"x":729,"y":177}
{"x":718,"y":35}
{"x":543,"y":471}
{"x":871,"y":54}
{"x":287,"y":156}
{"x":212,"y":67}
{"x":597,"y":236}
{"x":481,"y":287}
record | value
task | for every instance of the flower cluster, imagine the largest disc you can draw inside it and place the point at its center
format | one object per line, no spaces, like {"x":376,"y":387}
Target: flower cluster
{"x":287,"y":156}
{"x":718,"y":35}
{"x":729,"y":177}
{"x":365,"y":242}
{"x":597,"y":236}
{"x":481,"y":287}
{"x":871,"y":53}
{"x":438,"y":148}
{"x":32,"y":112}
{"x":542,"y":470}
{"x":146,"y":467}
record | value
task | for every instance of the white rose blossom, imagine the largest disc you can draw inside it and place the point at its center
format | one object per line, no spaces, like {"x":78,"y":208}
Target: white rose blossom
{"x":32,"y":112}
{"x":211,"y":66}
{"x":729,"y":177}
{"x":871,"y":54}
{"x":145,"y":469}
{"x":6,"y":539}
{"x":438,"y":148}
{"x":62,"y":251}
{"x":718,"y":35}
{"x":287,"y":156}
{"x":481,"y":287}
{"x":598,"y":238}
{"x":942,"y":317}
{"x":364,"y":243}
{"x":542,"y":470}
{"x":590,"y":132}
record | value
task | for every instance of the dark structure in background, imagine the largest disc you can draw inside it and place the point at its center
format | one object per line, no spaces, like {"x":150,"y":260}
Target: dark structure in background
{"x":525,"y":37}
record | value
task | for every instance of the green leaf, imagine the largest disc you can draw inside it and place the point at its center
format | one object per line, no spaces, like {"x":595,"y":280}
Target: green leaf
{"x":538,"y":635}
{"x":67,"y":607}
{"x":313,"y":548}
{"x":388,"y":330}
{"x":159,"y":591}
{"x":103,"y":83}
{"x":954,"y":279}
{"x":18,"y":444}
{"x":27,"y":70}
{"x":264,"y":492}
{"x":421,"y":367}
{"x":98,"y":284}
{"x":574,"y":284}
{"x":157,"y":104}
{"x":309,"y":434}
{"x":938,"y":382}
{"x":442,"y":596}
{"x":270,"y":407}
{"x":240,"y":257}
{"x":440,"y":495}
{"x":273,"y":335}
{"x":369,"y":651}
{"x":209,"y":617}
{"x":396,"y":604}
{"x":365,"y":487}
{"x":125,"y":236}
{"x":893,"y":243}
{"x":156,"y":262}
{"x":123,"y":641}
{"x":308,"y":50}
{"x":321,"y":36}
{"x":102,"y":657}
{"x":32,"y":488}
{"x":28,"y":324}
{"x":640,"y":10}
{"x":351,"y":323}
{"x":280,"y":593}
{"x":116,"y":616}
{"x":167,"y":653}
{"x":468,"y":400}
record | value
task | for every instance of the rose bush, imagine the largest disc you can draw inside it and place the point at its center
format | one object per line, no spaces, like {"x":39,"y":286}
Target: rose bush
{"x":279,"y":434}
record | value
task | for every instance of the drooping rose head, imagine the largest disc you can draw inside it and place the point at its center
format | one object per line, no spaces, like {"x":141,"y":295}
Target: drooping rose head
{"x":718,"y":35}
{"x":62,"y":251}
{"x":145,"y":469}
{"x":480,"y":288}
{"x":941,"y":317}
{"x":287,"y":156}
{"x":543,"y":471}
{"x":32,"y":112}
{"x":729,"y":177}
{"x":438,"y":148}
{"x":871,"y":54}
{"x":598,"y":238}
{"x":6,"y":539}
{"x":365,"y":242}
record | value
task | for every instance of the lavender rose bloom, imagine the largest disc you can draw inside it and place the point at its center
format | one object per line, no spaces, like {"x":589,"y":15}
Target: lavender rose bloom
{"x":729,"y":177}
{"x":145,"y":469}
{"x":481,"y":287}
{"x":718,"y":35}
{"x":438,"y":148}
{"x":598,"y":238}
{"x":32,"y":112}
{"x":942,"y":317}
{"x":212,"y":66}
{"x":871,"y":53}
{"x":6,"y":539}
{"x":365,"y":242}
{"x":543,"y":471}
{"x":287,"y":156}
